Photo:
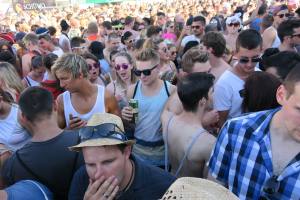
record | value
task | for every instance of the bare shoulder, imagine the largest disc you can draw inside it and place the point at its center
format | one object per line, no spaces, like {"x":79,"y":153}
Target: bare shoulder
{"x":130,"y":90}
{"x":173,"y":89}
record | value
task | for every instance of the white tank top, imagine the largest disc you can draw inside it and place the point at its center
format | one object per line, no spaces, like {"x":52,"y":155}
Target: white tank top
{"x":12,"y":134}
{"x":99,"y":106}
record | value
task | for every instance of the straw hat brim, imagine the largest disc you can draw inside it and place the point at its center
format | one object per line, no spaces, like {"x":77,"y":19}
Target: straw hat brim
{"x":100,"y":142}
{"x":189,"y":188}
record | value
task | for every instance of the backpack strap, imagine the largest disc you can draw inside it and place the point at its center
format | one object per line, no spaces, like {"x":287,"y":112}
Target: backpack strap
{"x":166,"y":88}
{"x":135,"y":89}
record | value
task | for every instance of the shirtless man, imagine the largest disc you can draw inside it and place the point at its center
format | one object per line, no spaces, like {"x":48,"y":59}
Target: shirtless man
{"x":82,"y":98}
{"x":215,"y":44}
{"x":184,"y":134}
{"x":262,"y":146}
{"x":31,"y":42}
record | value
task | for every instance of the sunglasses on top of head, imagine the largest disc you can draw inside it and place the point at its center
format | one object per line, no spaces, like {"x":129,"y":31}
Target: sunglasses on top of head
{"x":234,"y":24}
{"x":95,"y":65}
{"x":123,"y":66}
{"x":146,"y":72}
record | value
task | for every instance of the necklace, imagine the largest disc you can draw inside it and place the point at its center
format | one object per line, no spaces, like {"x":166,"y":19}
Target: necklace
{"x":131,"y":177}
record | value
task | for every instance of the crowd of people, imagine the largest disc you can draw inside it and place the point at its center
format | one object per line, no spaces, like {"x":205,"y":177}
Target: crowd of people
{"x":161,"y":100}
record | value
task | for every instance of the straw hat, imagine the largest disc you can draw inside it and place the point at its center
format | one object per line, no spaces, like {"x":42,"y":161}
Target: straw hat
{"x":189,"y":188}
{"x":96,"y":120}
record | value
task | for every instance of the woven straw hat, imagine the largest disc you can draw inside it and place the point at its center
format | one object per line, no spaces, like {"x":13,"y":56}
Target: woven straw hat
{"x":98,"y":119}
{"x":189,"y":188}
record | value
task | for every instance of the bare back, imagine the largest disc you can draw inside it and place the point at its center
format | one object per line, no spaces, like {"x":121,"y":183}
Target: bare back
{"x":179,"y":139}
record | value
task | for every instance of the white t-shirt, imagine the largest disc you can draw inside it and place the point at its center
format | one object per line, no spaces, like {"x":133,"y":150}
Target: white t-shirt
{"x":58,"y":51}
{"x":226,"y":94}
{"x":188,"y":38}
{"x":12,"y":134}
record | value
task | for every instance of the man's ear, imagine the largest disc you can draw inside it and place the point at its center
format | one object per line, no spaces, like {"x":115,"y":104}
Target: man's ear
{"x":127,"y":151}
{"x":281,"y":94}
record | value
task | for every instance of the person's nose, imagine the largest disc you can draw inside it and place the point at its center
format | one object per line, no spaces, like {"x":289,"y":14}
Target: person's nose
{"x":99,"y":172}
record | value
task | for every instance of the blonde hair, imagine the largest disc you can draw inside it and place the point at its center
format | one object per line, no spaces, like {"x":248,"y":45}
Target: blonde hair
{"x":71,"y":63}
{"x":148,"y":55}
{"x":10,"y":78}
{"x":32,"y":38}
{"x":152,"y":43}
{"x":133,"y":78}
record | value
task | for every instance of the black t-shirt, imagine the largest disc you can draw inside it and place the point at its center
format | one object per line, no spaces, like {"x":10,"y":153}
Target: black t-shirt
{"x":50,"y":162}
{"x":149,"y":183}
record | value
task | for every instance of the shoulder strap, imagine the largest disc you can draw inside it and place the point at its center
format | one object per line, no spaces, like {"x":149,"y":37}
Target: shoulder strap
{"x":27,"y":80}
{"x":166,"y":145}
{"x":194,"y":139}
{"x":135,"y":89}
{"x":166,"y":87}
{"x":38,"y":178}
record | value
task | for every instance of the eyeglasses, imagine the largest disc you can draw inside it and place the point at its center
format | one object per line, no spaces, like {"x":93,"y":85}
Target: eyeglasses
{"x":107,"y":130}
{"x":95,"y":65}
{"x":123,"y":66}
{"x":196,"y":27}
{"x":146,"y":72}
{"x":270,"y":188}
{"x":234,"y":24}
{"x":246,"y":60}
{"x":282,"y":15}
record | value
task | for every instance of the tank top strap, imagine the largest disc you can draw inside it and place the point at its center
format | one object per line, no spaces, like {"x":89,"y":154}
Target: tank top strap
{"x":100,"y":102}
{"x":191,"y":144}
{"x":166,"y":144}
{"x":67,"y":106}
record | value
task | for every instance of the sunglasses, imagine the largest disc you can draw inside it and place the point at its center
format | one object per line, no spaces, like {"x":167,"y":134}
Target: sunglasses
{"x":130,"y":41}
{"x":119,"y":28}
{"x":246,"y":60}
{"x":282,"y":15}
{"x":195,"y":27}
{"x":270,"y":188}
{"x":146,"y":72}
{"x":164,"y":50}
{"x":95,"y":65}
{"x":123,"y":66}
{"x":234,"y":24}
{"x":171,"y":26}
{"x":173,"y":53}
{"x":296,"y":35}
{"x":107,"y":130}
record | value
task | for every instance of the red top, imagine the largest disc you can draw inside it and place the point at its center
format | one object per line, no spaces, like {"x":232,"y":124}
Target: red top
{"x":53,"y":87}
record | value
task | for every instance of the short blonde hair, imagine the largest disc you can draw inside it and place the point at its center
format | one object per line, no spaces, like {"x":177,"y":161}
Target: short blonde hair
{"x":148,"y":55}
{"x":31,"y":37}
{"x":71,"y":63}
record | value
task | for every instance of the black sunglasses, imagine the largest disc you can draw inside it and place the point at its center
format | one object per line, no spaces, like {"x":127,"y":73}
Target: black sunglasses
{"x":270,"y":188}
{"x":282,"y":15}
{"x":246,"y":60}
{"x":296,"y":35}
{"x":107,"y":130}
{"x":146,"y":72}
{"x":195,"y":27}
{"x":234,"y":24}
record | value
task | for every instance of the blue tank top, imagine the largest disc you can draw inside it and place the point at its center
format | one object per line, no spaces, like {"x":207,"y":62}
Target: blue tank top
{"x":148,"y":127}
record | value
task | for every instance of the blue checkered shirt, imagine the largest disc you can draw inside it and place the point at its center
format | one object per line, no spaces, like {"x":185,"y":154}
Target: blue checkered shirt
{"x":242,"y":159}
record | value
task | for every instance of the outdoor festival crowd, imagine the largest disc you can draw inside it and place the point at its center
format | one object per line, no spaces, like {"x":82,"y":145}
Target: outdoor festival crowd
{"x":169,"y":100}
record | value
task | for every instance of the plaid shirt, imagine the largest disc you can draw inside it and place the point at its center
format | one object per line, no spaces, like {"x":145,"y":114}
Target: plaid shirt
{"x":242,"y":159}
